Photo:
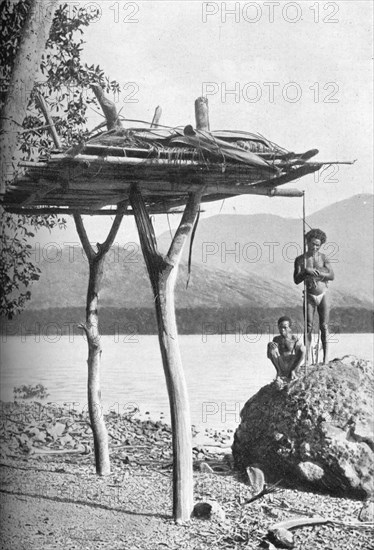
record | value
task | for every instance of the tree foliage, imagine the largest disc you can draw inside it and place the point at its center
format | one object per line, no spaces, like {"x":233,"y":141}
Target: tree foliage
{"x":64,"y":82}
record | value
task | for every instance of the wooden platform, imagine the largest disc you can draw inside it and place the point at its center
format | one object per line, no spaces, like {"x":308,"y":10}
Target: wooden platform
{"x":165,"y":163}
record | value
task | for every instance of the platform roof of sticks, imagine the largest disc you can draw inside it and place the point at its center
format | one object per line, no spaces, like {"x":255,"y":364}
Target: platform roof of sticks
{"x":165,"y":163}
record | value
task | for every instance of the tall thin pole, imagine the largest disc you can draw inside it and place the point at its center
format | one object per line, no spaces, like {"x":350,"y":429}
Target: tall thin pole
{"x":49,"y":120}
{"x":305,"y":290}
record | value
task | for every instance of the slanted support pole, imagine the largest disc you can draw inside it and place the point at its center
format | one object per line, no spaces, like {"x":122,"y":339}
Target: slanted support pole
{"x":156,"y":117}
{"x":163,"y":270}
{"x":49,"y":120}
{"x":108,"y":107}
{"x":96,"y":262}
{"x":202,"y":114}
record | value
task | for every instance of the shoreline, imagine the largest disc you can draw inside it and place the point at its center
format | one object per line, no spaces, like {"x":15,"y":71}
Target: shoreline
{"x":131,"y":508}
{"x":133,"y":322}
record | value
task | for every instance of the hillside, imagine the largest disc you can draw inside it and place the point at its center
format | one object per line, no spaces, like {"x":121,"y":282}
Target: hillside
{"x":126,"y":285}
{"x":224,"y":284}
{"x":253,"y":285}
{"x":266,"y":246}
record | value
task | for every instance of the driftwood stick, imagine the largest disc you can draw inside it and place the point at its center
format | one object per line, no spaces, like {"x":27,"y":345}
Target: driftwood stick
{"x":299,"y":522}
{"x":59,"y":451}
{"x":228,"y":446}
{"x":265,"y":491}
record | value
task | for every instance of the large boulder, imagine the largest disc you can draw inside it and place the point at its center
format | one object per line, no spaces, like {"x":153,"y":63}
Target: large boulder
{"x":315,"y":432}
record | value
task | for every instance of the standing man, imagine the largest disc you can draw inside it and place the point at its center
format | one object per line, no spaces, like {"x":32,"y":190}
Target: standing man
{"x":314,"y":267}
{"x":286,"y":351}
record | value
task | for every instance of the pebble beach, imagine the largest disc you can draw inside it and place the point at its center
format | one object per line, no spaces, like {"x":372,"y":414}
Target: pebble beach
{"x":52,"y":498}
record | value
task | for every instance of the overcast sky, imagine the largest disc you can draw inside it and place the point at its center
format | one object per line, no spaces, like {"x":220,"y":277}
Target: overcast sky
{"x":300,"y":73}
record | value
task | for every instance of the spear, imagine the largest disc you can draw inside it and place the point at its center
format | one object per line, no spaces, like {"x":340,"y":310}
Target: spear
{"x":305,"y":289}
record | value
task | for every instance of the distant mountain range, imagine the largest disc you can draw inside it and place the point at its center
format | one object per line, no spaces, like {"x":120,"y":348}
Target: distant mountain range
{"x":265,"y":247}
{"x":238,"y":261}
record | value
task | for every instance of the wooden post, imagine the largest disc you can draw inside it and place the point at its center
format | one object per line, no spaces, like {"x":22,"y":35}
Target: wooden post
{"x":163,"y":272}
{"x":96,"y":262}
{"x":202,"y":114}
{"x":156,"y":117}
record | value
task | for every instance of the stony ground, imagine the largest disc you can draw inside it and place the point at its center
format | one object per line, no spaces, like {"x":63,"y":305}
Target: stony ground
{"x":51,"y":497}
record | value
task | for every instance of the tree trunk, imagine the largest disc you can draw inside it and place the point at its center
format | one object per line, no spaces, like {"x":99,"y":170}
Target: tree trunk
{"x":96,"y":262}
{"x":163,"y":272}
{"x":26,"y":66}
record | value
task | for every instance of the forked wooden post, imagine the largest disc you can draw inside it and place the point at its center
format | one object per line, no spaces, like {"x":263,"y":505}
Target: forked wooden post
{"x":163,"y":272}
{"x":96,"y":262}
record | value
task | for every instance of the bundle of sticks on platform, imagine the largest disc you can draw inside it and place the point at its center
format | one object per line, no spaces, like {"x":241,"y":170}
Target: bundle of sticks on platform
{"x":166,"y":163}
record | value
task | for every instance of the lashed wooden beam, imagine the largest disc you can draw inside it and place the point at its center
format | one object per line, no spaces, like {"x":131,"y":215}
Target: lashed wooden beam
{"x":30,"y":211}
{"x":214,"y":184}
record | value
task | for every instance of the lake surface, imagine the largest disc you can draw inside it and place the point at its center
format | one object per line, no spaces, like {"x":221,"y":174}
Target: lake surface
{"x":221,"y":375}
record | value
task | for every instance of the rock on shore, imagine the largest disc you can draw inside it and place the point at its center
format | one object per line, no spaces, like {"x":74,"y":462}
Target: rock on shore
{"x":316,"y":431}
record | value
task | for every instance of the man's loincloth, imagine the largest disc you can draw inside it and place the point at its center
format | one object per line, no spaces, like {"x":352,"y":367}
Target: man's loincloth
{"x":315,"y":299}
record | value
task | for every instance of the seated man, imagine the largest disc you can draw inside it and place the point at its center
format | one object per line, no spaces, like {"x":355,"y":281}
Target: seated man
{"x":286,"y":351}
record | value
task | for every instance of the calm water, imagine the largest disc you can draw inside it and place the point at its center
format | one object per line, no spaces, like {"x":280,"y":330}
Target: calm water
{"x":221,"y":376}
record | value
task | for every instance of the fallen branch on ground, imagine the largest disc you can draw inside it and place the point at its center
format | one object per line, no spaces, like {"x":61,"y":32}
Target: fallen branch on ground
{"x":60,"y":451}
{"x":318,"y":520}
{"x":265,"y":491}
{"x":299,"y":522}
